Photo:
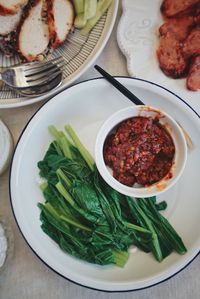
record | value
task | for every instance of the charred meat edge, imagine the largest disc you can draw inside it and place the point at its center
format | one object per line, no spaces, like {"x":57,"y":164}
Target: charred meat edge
{"x":7,"y":11}
{"x":54,"y":39}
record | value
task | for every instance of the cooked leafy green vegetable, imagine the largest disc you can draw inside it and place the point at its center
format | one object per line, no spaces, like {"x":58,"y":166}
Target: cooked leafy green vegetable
{"x":90,"y":8}
{"x":88,"y":13}
{"x":79,"y":6}
{"x":102,"y":7}
{"x":90,"y":220}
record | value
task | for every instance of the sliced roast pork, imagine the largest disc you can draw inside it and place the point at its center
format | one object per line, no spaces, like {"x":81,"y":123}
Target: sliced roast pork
{"x":9,"y":23}
{"x":11,"y":7}
{"x":33,"y":32}
{"x":60,"y":19}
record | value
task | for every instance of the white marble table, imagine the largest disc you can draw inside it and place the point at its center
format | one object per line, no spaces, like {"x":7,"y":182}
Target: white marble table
{"x":26,"y":277}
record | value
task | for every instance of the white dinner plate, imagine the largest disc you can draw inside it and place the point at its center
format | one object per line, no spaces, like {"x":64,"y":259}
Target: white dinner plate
{"x":138,"y":39}
{"x":85,"y":107}
{"x":79,"y":53}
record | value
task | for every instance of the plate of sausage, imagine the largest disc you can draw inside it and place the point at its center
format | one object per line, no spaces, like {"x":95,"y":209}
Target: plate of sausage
{"x":161,"y":42}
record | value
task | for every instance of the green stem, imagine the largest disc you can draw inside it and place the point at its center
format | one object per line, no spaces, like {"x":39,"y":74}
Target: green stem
{"x":120,"y":258}
{"x":64,"y":193}
{"x":138,"y":228}
{"x":155,"y":242}
{"x":43,"y":186}
{"x":61,"y":176}
{"x":102,"y":7}
{"x":79,"y":6}
{"x":78,"y":225}
{"x":54,"y":132}
{"x":65,"y":147}
{"x":83,"y":151}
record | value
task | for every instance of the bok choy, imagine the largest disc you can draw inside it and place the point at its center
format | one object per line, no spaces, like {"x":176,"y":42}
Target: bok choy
{"x":87,"y":218}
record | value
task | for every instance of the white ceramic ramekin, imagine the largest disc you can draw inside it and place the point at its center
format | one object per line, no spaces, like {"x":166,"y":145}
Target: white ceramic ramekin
{"x":179,"y":159}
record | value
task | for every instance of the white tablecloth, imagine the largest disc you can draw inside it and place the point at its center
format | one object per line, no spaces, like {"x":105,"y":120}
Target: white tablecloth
{"x":26,"y":277}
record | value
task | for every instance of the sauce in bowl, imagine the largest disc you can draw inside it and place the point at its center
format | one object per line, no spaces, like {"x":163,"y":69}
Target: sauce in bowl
{"x":140,"y":150}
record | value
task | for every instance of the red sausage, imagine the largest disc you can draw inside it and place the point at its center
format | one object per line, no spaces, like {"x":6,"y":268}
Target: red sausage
{"x":170,"y":56}
{"x":171,"y":8}
{"x":191,"y":46}
{"x":193,"y":79}
{"x":179,"y":26}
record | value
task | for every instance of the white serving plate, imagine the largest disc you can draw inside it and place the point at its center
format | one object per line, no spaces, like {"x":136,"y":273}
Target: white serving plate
{"x":85,"y":107}
{"x":79,"y":53}
{"x":138,"y":39}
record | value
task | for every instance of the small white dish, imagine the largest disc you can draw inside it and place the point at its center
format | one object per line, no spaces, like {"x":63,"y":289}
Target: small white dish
{"x":173,"y":129}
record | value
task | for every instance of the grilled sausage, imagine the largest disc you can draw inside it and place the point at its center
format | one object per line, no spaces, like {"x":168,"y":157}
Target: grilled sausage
{"x":191,"y":46}
{"x":170,"y":56}
{"x":171,"y":8}
{"x":179,"y":26}
{"x":193,"y":79}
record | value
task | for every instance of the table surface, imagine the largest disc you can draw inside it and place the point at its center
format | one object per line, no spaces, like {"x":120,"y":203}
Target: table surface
{"x":25,"y":276}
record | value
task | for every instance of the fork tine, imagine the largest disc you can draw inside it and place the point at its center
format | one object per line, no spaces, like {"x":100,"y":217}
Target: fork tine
{"x":45,"y":79}
{"x":34,"y":66}
{"x":44,"y":74}
{"x":42,"y":69}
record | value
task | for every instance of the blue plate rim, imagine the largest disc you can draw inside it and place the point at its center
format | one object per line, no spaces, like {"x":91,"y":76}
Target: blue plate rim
{"x":10,"y":197}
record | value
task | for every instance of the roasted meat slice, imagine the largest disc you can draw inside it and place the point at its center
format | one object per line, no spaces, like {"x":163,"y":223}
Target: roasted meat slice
{"x":33,"y":32}
{"x":191,"y":46}
{"x":197,"y":19}
{"x":11,"y":7}
{"x":170,"y":56}
{"x":60,"y":19}
{"x":197,"y":15}
{"x":193,"y":79}
{"x":9,"y":23}
{"x":171,"y":8}
{"x":179,"y":26}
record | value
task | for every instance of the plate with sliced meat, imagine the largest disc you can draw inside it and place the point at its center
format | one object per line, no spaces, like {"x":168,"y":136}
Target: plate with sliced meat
{"x":161,"y":42}
{"x":38,"y":30}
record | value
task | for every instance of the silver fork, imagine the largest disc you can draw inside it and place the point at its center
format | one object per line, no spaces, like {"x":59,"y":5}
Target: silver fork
{"x":32,"y":74}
